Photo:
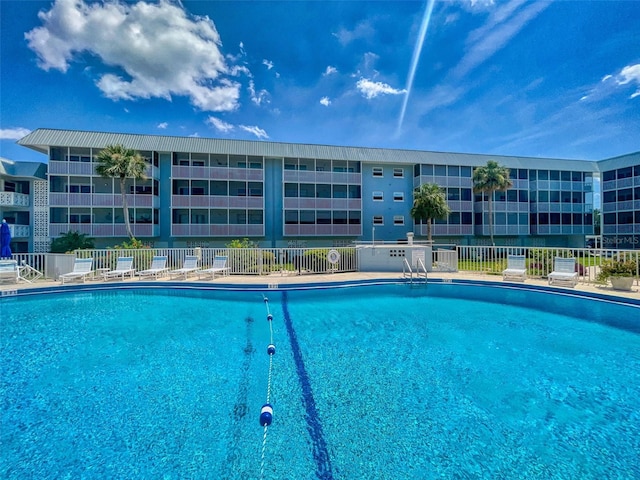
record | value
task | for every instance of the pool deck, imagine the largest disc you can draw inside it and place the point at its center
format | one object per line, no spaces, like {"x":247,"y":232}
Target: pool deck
{"x":275,"y":280}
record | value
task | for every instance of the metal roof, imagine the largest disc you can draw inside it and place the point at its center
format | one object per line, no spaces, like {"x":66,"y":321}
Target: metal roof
{"x":43,"y":138}
{"x":10,"y":168}
{"x":623,"y":161}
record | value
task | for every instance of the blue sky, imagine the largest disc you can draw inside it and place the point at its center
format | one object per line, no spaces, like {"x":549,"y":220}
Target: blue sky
{"x":541,"y":79}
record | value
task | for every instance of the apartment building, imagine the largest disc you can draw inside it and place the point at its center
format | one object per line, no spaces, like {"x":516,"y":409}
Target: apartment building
{"x":620,"y":221}
{"x":24,"y":204}
{"x":205,"y":192}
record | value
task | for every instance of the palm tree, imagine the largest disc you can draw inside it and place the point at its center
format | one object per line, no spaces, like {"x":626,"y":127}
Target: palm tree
{"x":117,"y":161}
{"x":488,"y":179}
{"x":429,"y":203}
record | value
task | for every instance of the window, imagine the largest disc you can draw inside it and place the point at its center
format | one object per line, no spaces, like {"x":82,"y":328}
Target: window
{"x":378,"y":172}
{"x":398,"y":220}
{"x":398,"y":172}
{"x":307,"y":217}
{"x":625,"y":173}
{"x":140,"y":189}
{"x":378,"y":220}
{"x":79,"y":218}
{"x":398,"y":196}
{"x":323,"y":217}
{"x":340,"y":217}
{"x":291,"y":217}
{"x":453,"y":194}
{"x":290,"y":189}
{"x":441,"y":170}
{"x":378,"y":196}
{"x":79,"y":188}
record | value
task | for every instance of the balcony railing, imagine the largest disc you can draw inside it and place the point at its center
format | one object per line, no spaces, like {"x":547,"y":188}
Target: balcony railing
{"x":105,"y":229}
{"x":322,"y":230}
{"x":101,"y":200}
{"x":13,"y":199}
{"x":217,"y":173}
{"x":218,"y":230}
{"x":217,"y":201}
{"x":20,"y":231}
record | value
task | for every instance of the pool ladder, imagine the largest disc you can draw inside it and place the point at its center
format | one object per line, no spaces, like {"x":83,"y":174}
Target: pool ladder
{"x":420,"y":272}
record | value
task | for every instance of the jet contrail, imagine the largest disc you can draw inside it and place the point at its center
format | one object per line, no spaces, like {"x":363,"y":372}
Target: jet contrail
{"x":414,"y":59}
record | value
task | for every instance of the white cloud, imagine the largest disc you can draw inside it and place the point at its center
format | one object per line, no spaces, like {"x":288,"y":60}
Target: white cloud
{"x":163,"y":125}
{"x":155,"y":50}
{"x":194,"y":135}
{"x":370,"y":89}
{"x":610,"y":83}
{"x":268,"y":64}
{"x":219,"y":125}
{"x":501,"y":27}
{"x":325,"y":101}
{"x":13,"y":133}
{"x":257,"y":97}
{"x":330,"y":71}
{"x":257,"y":131}
{"x":363,"y":30}
{"x":630,"y":74}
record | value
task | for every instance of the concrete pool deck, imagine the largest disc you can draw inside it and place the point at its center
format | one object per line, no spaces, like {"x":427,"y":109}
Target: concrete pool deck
{"x":278,"y":279}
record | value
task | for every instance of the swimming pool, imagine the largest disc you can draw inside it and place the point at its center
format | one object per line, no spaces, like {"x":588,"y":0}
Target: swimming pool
{"x":367,"y":382}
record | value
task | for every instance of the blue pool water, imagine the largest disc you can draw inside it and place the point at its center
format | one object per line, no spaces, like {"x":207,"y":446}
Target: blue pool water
{"x":377,"y":382}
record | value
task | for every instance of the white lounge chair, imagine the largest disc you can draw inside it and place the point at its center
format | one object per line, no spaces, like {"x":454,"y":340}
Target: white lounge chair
{"x":564,"y":272}
{"x":190,"y":265}
{"x":124,"y":267}
{"x":158,"y":268}
{"x":516,"y":269}
{"x":9,"y":271}
{"x":82,"y":268}
{"x":219,"y":266}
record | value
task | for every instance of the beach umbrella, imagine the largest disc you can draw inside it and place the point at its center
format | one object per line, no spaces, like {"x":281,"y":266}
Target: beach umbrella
{"x":5,"y":240}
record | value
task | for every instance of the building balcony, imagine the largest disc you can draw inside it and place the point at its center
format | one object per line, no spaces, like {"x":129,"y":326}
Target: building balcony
{"x":221,"y":230}
{"x":508,"y":207}
{"x":460,"y":205}
{"x":216,"y":201}
{"x":217,"y":173}
{"x":298,"y":176}
{"x":13,"y":199}
{"x":444,"y":181}
{"x":448,"y":230}
{"x":101,"y":200}
{"x":19,"y":231}
{"x":57,"y":167}
{"x":105,"y":229}
{"x":304,"y":203}
{"x":322,"y":230}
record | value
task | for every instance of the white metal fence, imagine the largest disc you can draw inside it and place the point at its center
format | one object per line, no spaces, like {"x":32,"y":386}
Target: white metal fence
{"x":493,"y":260}
{"x":299,"y":261}
{"x":241,"y":261}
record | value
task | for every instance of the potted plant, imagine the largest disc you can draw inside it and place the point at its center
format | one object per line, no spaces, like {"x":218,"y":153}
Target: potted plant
{"x":619,"y":272}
